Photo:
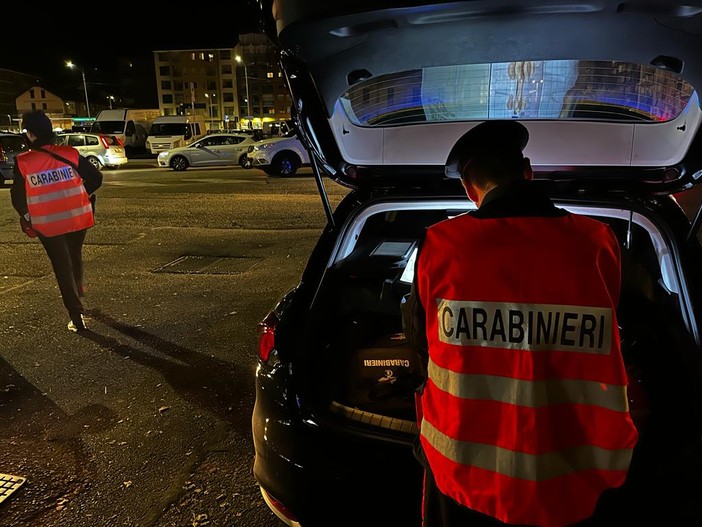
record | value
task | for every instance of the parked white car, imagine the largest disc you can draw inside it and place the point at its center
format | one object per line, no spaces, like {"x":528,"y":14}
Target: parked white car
{"x":211,"y":150}
{"x":101,"y":150}
{"x":279,"y":156}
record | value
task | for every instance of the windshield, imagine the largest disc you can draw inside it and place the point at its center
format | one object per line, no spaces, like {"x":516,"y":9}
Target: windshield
{"x":108,"y":127}
{"x":556,"y":89}
{"x":168,"y":129}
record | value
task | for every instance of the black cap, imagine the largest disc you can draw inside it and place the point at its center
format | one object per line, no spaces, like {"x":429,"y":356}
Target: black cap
{"x":498,"y":136}
{"x":38,"y":123}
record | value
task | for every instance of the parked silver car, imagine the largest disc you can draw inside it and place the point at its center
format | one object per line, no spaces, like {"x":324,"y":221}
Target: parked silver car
{"x":100,"y":149}
{"x":211,"y":150}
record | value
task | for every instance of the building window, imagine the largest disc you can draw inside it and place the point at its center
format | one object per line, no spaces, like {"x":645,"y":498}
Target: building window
{"x":43,"y":106}
{"x":227,"y":83}
{"x":211,"y":85}
{"x":31,"y":94}
{"x":34,"y":106}
{"x":269,"y":74}
{"x":167,"y":98}
{"x":210,"y":57}
{"x":225,"y":55}
{"x":228,"y":97}
{"x":165,"y":85}
{"x":280,"y":74}
{"x":164,"y":71}
{"x":226,"y":69}
{"x":43,"y":94}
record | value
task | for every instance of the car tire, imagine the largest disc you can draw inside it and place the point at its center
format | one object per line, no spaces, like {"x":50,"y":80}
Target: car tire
{"x":285,"y":164}
{"x":245,"y":161}
{"x":95,"y":162}
{"x":179,"y":163}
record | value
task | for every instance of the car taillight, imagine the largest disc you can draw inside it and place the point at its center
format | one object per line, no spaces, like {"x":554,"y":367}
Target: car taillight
{"x":3,"y":158}
{"x":104,"y":142}
{"x":266,"y":336}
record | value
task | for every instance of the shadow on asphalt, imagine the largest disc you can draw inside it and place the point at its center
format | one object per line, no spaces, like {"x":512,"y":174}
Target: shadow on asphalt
{"x":210,"y":383}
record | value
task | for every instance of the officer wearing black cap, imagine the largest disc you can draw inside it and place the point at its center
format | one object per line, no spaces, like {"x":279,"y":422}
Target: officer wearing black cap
{"x":513,"y":309}
{"x":52,"y":191}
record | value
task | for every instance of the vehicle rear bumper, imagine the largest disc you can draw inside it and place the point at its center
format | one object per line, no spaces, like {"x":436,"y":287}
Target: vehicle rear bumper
{"x":326,"y":475}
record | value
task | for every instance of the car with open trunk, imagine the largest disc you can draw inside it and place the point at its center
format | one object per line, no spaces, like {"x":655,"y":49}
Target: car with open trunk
{"x":383,"y":90}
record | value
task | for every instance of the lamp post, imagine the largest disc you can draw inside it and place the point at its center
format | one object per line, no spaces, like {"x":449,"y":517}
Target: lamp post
{"x":110,"y":98}
{"x":85,"y":85}
{"x":209,"y":111}
{"x":248,"y":99}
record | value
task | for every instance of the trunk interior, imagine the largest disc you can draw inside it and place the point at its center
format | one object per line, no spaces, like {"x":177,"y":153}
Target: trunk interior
{"x":369,"y":374}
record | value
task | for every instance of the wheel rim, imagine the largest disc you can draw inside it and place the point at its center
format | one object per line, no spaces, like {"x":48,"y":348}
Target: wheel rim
{"x":286,"y":166}
{"x":178,"y":163}
{"x":95,"y":162}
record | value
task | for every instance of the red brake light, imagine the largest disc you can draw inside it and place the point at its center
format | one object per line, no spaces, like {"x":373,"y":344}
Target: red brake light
{"x":104,"y":142}
{"x":266,"y":336}
{"x":2,"y":155}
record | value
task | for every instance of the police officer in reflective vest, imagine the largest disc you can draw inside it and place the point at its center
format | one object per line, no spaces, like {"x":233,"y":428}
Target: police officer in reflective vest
{"x":51,"y":192}
{"x":523,"y":415}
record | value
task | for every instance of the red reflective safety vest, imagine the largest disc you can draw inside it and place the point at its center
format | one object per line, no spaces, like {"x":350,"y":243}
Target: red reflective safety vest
{"x":56,"y":198}
{"x":525,"y":414}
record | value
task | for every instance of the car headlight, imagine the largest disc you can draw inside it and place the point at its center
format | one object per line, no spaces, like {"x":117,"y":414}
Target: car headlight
{"x":262,"y":147}
{"x":163,"y":155}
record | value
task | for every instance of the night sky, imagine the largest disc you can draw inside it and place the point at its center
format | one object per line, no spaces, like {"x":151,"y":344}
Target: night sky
{"x":104,"y":49}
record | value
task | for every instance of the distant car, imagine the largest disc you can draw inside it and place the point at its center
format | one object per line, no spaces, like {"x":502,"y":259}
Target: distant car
{"x":101,"y":150}
{"x":279,"y":156}
{"x":212,"y":150}
{"x":11,"y":144}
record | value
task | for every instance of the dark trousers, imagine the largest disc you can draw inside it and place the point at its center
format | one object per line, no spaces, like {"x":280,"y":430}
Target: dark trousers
{"x":66,"y":254}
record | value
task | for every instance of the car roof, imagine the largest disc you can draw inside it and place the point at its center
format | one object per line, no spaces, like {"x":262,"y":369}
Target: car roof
{"x":342,"y":59}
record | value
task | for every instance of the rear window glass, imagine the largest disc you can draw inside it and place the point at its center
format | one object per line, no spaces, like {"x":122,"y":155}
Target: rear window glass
{"x":108,"y":127}
{"x":556,"y":89}
{"x":12,"y":143}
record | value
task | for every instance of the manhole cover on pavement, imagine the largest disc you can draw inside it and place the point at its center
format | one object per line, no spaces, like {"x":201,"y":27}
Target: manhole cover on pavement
{"x":9,"y":484}
{"x":208,"y":265}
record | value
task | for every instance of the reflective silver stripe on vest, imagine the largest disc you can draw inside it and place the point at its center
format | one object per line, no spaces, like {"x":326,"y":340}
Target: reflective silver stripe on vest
{"x":532,"y":394}
{"x":59,"y":216}
{"x":531,"y":467}
{"x":60,"y":194}
{"x":529,"y":327}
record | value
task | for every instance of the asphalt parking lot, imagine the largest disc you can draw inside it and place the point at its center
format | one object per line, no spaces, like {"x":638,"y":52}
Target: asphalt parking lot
{"x":145,"y":420}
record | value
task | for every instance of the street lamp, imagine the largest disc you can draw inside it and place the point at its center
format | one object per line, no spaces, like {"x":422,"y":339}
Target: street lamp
{"x":110,"y":98}
{"x":85,"y":86}
{"x":246,"y":78}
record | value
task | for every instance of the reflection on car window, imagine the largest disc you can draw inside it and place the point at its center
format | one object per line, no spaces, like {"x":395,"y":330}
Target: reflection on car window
{"x":554,"y":89}
{"x":76,"y":140}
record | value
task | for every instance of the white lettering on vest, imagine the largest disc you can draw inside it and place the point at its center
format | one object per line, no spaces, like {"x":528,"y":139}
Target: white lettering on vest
{"x":50,"y":176}
{"x":529,"y":327}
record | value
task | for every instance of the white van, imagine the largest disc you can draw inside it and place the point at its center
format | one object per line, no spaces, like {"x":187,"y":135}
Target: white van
{"x":130,"y":125}
{"x":172,"y":131}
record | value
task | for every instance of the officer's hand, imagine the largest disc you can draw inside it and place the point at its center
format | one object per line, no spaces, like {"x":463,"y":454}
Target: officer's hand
{"x":27,"y":228}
